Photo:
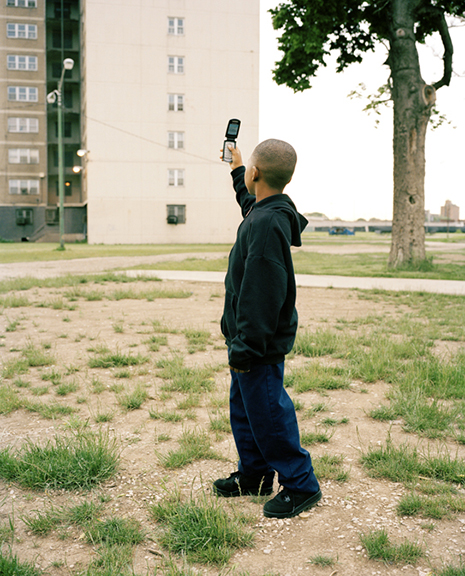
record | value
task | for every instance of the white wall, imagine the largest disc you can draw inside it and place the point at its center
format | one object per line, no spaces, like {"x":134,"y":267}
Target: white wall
{"x":126,"y":48}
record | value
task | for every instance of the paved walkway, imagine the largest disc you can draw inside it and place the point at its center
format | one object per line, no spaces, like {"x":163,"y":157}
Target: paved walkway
{"x":307,"y":280}
{"x":95,"y":265}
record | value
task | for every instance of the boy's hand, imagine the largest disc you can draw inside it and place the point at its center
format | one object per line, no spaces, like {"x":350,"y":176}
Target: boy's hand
{"x":236,"y":157}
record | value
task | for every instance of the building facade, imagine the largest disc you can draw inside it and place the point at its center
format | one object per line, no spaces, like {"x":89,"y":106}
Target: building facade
{"x":153,"y":86}
{"x":161,"y":79}
{"x":450,"y":211}
{"x":37,"y":36}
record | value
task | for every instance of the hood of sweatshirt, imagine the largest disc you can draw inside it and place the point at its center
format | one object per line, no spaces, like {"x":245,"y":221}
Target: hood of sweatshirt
{"x":284,"y":204}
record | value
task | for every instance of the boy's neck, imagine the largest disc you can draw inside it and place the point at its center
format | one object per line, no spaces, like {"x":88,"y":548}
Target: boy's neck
{"x":262,"y":192}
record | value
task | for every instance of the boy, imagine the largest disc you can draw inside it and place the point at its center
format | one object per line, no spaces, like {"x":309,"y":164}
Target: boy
{"x":259,"y":323}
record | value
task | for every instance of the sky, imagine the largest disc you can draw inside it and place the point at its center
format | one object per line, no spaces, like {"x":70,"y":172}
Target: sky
{"x":344,"y":167}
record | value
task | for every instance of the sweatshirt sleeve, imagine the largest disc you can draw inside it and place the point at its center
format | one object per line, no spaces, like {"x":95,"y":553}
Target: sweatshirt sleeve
{"x":244,"y":199}
{"x":262,"y":296}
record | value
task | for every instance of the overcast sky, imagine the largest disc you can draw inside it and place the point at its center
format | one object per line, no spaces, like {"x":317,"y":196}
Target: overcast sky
{"x":344,"y":166}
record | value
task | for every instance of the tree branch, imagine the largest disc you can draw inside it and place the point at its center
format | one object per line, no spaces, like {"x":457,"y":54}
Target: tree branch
{"x":443,"y":30}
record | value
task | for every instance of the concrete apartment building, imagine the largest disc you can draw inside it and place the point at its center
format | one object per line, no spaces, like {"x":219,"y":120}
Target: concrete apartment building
{"x":450,"y":211}
{"x":153,"y":86}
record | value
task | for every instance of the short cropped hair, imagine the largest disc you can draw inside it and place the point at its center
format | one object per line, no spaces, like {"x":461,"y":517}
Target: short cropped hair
{"x":276,"y":160}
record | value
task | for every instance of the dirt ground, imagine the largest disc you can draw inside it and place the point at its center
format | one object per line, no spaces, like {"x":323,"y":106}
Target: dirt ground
{"x":282,"y":547}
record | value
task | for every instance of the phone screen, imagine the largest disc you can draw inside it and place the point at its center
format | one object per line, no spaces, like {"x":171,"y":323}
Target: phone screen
{"x":233,"y":128}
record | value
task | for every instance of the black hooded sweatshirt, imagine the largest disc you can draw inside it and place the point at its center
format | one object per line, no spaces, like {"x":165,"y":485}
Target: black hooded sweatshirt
{"x":259,"y":319}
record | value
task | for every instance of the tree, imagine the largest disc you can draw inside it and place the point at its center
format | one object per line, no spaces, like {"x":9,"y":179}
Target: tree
{"x":312,"y":29}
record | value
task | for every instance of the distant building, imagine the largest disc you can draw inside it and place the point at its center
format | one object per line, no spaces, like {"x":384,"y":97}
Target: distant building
{"x":147,"y":103}
{"x":450,"y":212}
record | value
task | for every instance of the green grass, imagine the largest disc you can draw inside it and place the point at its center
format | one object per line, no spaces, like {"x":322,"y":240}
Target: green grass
{"x":115,"y":531}
{"x":10,"y":565}
{"x":200,"y":530}
{"x":76,"y":461}
{"x":437,"y":507}
{"x":330,"y":468}
{"x":9,"y":399}
{"x":407,"y":464}
{"x":197,"y":340}
{"x":322,"y":560}
{"x":379,"y":547}
{"x":134,"y":399}
{"x":193,"y":445}
{"x":310,"y":438}
{"x":39,"y":252}
{"x":317,"y":376}
{"x":111,"y":560}
{"x":451,"y":569}
{"x":116,"y":360}
{"x":49,"y":410}
{"x":36,"y":357}
{"x":180,"y":378}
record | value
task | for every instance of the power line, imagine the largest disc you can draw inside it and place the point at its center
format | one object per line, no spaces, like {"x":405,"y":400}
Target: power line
{"x":150,"y":141}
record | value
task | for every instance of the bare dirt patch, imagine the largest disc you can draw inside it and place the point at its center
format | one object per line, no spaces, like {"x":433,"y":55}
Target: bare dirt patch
{"x":72,"y":333}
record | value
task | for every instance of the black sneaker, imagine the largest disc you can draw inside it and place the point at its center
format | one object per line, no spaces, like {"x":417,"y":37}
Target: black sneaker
{"x":239,"y":485}
{"x":288,"y":503}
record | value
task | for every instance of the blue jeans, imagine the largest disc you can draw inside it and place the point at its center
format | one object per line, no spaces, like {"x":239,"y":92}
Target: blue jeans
{"x":265,"y":429}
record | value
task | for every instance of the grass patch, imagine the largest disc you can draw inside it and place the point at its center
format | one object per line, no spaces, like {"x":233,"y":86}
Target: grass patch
{"x":197,"y":340}
{"x":49,"y":410}
{"x":10,"y":565}
{"x":181,"y":378}
{"x":330,"y":468}
{"x":133,"y":400}
{"x":155,"y":342}
{"x":310,"y":438}
{"x":76,"y":461}
{"x":14,"y":367}
{"x":318,"y":343}
{"x":193,"y":445}
{"x":201,"y":530}
{"x":379,"y":547}
{"x":406,"y":464}
{"x":9,"y":399}
{"x":436,"y":507}
{"x":116,"y":360}
{"x":316,"y":376}
{"x":36,"y":357}
{"x":115,"y":531}
{"x":323,"y":561}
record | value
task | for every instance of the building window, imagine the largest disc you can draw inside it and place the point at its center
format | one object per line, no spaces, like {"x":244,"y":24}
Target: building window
{"x":57,"y":68}
{"x":176,"y":26}
{"x":176,"y":213}
{"x":67,"y":39}
{"x":67,"y":130}
{"x":176,"y":140}
{"x":14,"y":62}
{"x":24,"y":216}
{"x":24,"y":187}
{"x":176,"y":64}
{"x":66,"y":10}
{"x":68,"y":158}
{"x":176,"y":102}
{"x":176,"y":177}
{"x":22,"y":3}
{"x":68,"y":188}
{"x":30,"y":125}
{"x":23,"y":93}
{"x":23,"y":156}
{"x":28,"y":31}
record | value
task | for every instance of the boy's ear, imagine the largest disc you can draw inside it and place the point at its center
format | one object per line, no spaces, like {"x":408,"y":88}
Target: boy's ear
{"x":254,"y":173}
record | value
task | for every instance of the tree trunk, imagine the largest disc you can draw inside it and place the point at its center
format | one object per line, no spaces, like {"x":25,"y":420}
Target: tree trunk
{"x":413,"y":100}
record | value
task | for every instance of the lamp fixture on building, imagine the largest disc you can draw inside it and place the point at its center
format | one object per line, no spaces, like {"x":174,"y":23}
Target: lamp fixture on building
{"x":52,"y":97}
